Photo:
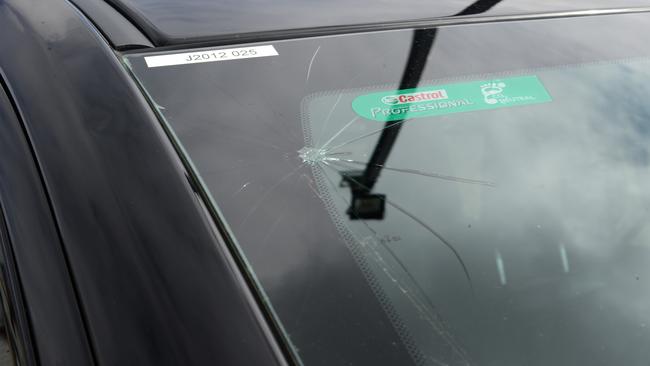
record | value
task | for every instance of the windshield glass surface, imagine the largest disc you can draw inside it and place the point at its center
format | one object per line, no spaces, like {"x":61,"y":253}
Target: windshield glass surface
{"x":466,"y":195}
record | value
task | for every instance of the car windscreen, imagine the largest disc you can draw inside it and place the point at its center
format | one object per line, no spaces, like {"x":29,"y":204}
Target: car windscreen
{"x":463,"y":195}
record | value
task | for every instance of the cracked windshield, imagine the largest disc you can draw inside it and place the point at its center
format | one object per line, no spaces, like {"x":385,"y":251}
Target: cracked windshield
{"x":465,"y":195}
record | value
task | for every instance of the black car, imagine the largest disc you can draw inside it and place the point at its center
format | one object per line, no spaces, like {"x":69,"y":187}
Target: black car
{"x":325,"y":183}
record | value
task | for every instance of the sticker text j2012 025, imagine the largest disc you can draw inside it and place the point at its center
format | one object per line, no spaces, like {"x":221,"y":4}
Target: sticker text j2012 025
{"x":210,"y":56}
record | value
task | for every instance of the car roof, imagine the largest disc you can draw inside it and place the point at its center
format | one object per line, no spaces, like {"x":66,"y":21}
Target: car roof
{"x":168,"y":22}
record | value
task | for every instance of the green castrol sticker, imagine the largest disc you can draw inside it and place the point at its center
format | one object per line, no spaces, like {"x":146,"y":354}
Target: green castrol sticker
{"x":450,"y":98}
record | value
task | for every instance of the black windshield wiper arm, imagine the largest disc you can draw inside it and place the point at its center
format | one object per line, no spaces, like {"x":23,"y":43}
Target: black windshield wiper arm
{"x":364,"y":204}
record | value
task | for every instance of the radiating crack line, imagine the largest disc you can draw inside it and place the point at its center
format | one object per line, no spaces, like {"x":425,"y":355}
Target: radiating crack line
{"x":310,"y":65}
{"x":362,"y":137}
{"x":339,"y":132}
{"x":242,"y":188}
{"x":268,"y":191}
{"x":419,"y":298}
{"x":338,"y":99}
{"x":418,"y":172}
{"x":425,"y":226}
{"x":329,"y":116}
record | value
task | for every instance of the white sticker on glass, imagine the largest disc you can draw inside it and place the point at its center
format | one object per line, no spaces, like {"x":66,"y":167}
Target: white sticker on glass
{"x":210,"y":56}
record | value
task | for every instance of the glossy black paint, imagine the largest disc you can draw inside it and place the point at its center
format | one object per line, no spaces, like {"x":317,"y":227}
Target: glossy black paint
{"x":43,"y":312}
{"x":155,"y":283}
{"x":172,"y":22}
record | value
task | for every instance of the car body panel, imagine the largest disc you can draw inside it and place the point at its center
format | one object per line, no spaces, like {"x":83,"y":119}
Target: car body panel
{"x":155,"y":283}
{"x":39,"y":290}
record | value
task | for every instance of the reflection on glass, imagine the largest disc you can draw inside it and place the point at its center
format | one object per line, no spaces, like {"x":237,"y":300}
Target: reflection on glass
{"x":505,"y":231}
{"x":450,"y":181}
